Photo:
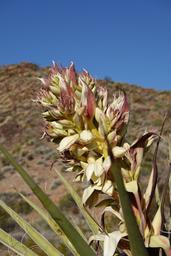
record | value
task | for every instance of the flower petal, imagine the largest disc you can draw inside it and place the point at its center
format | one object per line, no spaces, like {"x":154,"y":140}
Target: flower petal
{"x":158,"y":241}
{"x":111,"y":241}
{"x":107,"y":163}
{"x":72,"y":74}
{"x":132,"y":186}
{"x":67,"y":142}
{"x":87,"y":193}
{"x":118,"y":151}
{"x":86,"y":136}
{"x":108,"y":187}
{"x":89,"y":170}
{"x":88,"y":101}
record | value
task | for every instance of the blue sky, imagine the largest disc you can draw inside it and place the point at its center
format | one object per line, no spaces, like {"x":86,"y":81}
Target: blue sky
{"x":127,"y":40}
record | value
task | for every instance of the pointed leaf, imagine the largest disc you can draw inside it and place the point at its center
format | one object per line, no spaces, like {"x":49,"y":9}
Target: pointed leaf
{"x":40,"y":240}
{"x":78,"y":242}
{"x":52,"y":224}
{"x":15,"y":245}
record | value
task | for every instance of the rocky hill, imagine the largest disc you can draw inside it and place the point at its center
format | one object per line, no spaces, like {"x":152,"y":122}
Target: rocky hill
{"x":21,"y":129}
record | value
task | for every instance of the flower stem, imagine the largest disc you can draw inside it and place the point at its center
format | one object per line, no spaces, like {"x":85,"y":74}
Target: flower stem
{"x":136,"y":241}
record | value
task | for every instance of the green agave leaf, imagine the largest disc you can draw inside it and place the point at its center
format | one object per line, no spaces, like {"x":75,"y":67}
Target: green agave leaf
{"x":78,"y":242}
{"x":52,"y":224}
{"x":90,"y":221}
{"x":15,"y":245}
{"x":40,"y":240}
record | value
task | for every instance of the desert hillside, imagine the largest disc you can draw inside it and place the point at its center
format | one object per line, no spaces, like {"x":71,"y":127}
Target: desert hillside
{"x":21,"y":128}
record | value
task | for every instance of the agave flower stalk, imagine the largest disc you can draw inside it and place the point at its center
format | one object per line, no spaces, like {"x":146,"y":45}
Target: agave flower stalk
{"x":89,"y":130}
{"x":134,"y":235}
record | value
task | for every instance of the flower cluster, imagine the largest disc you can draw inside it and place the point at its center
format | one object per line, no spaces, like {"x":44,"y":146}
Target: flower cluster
{"x":79,"y":117}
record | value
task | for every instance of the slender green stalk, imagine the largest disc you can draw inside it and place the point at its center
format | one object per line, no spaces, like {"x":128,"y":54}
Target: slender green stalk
{"x":136,"y":241}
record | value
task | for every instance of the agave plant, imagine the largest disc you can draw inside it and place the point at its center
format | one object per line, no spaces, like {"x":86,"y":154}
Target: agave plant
{"x":89,"y":130}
